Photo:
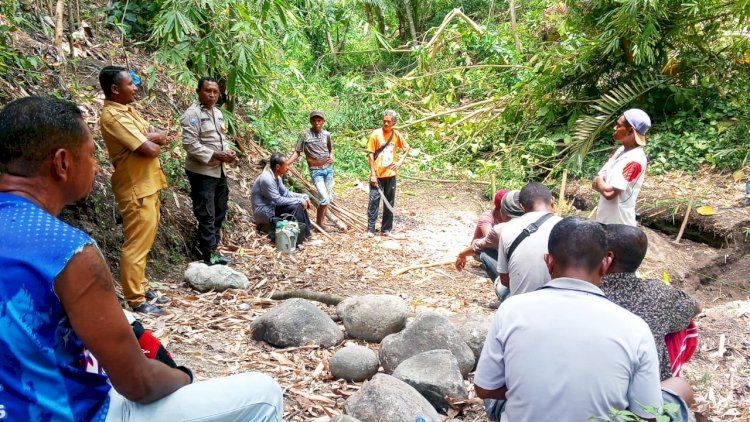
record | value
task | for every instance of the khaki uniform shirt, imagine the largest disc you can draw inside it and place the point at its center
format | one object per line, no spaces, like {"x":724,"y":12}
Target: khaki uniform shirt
{"x":124,"y":130}
{"x":202,"y":134}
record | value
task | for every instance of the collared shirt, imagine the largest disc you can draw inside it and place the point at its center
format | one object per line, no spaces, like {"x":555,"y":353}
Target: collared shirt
{"x":124,"y":130}
{"x":664,"y":308}
{"x":566,"y":353}
{"x":315,"y":145}
{"x":526,"y":268}
{"x":202,"y":135}
{"x":624,"y":170}
{"x":387,"y":157}
{"x":268,"y":192}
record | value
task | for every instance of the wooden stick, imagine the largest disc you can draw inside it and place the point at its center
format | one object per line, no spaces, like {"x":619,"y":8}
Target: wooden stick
{"x":424,"y":179}
{"x":416,"y":267}
{"x":561,"y":200}
{"x":684,"y":221}
{"x":320,"y":229}
{"x":326,"y":298}
{"x":591,"y":214}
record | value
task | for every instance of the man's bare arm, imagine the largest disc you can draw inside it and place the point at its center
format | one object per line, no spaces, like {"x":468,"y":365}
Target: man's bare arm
{"x":148,"y":149}
{"x":86,"y":290}
{"x":505,"y":279}
{"x":497,"y":394}
{"x":608,"y":191}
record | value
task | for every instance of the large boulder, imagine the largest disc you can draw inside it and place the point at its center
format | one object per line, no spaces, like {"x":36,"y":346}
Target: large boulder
{"x":473,"y":329}
{"x":386,"y":399}
{"x":354,"y":363}
{"x":297,"y":322}
{"x":435,"y":375}
{"x":372,"y":317}
{"x":344,"y":418}
{"x":218,"y":278}
{"x":428,"y":331}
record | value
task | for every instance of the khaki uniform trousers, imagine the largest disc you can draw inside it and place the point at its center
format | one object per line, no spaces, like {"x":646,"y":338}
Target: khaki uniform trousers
{"x":140,"y":219}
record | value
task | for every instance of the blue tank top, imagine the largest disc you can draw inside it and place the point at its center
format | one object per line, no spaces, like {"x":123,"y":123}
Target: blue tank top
{"x":46,"y":374}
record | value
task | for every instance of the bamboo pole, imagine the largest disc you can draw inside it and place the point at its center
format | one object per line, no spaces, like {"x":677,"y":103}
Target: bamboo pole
{"x":321,"y":231}
{"x":684,"y":221}
{"x":561,"y":200}
{"x":416,"y":267}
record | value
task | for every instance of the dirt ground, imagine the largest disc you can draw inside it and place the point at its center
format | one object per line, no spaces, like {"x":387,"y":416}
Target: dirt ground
{"x":211,"y":331}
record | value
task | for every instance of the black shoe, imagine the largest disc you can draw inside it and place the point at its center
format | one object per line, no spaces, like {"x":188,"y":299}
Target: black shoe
{"x":217,"y":259}
{"x":147,"y":308}
{"x":151,"y":296}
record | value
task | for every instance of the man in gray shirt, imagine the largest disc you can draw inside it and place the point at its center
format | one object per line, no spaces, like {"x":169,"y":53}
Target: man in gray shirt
{"x":316,"y":144}
{"x":522,"y":269}
{"x":207,"y":150}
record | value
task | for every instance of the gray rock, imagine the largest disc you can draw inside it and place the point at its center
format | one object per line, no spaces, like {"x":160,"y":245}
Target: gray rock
{"x":344,"y":418}
{"x":203,"y":278}
{"x":354,"y":363}
{"x":386,"y":399}
{"x":297,"y":322}
{"x":372,"y":317}
{"x":435,"y":375}
{"x":473,"y":329}
{"x":428,"y":331}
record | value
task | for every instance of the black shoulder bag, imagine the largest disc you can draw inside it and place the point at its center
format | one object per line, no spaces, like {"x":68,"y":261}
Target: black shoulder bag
{"x":531,"y":228}
{"x":379,"y":150}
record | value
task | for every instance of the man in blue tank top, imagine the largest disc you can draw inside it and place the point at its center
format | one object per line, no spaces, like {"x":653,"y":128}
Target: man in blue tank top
{"x":61,"y":326}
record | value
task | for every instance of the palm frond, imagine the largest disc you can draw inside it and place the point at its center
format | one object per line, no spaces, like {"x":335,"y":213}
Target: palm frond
{"x":607,"y":108}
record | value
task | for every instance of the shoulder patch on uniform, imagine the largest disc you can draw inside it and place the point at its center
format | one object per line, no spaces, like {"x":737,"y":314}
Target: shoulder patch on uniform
{"x":631,"y":171}
{"x":193,"y":121}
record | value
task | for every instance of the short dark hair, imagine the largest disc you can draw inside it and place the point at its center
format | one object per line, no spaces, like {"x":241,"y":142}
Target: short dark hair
{"x":577,"y":242}
{"x":33,"y":128}
{"x":628,"y":244}
{"x":274,"y":160}
{"x":110,"y":75}
{"x":533,"y":192}
{"x":204,"y":79}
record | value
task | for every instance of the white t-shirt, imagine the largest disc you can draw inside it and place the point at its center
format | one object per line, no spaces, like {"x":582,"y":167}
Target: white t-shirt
{"x":624,"y":170}
{"x":566,"y":353}
{"x":526,"y":269}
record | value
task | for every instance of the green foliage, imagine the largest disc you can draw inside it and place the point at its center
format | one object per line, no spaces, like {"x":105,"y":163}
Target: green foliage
{"x":133,"y":17}
{"x":628,"y":416}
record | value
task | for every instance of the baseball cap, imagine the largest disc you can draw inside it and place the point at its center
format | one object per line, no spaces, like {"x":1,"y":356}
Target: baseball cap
{"x":640,"y":121}
{"x":512,"y":204}
{"x":499,"y":198}
{"x":317,"y":113}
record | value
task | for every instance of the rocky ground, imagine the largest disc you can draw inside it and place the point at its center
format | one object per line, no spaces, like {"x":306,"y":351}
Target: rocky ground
{"x":211,"y":331}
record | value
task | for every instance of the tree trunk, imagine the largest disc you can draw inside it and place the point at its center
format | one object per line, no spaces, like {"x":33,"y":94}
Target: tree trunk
{"x":368,"y":15}
{"x":71,"y":29}
{"x":381,"y":20}
{"x":513,"y":25}
{"x":410,"y":20}
{"x":332,"y":48}
{"x":59,"y":9}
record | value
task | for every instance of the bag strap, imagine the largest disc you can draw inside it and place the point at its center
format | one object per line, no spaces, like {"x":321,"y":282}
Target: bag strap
{"x":379,"y":150}
{"x":531,"y":228}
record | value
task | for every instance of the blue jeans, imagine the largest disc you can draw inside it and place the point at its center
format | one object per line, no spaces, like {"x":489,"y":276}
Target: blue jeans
{"x":323,"y":181}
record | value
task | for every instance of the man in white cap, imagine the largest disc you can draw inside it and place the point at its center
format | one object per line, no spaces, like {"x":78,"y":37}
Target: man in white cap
{"x":620,"y":179}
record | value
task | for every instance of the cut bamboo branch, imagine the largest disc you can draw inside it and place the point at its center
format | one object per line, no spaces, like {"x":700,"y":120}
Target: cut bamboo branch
{"x":416,"y":267}
{"x":593,"y":212}
{"x":561,"y":199}
{"x":424,"y":179}
{"x":443,"y":113}
{"x":684,"y":221}
{"x":326,"y":298}
{"x":321,"y":231}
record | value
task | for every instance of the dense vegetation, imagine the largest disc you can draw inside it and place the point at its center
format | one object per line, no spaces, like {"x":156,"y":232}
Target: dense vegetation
{"x":480,"y":90}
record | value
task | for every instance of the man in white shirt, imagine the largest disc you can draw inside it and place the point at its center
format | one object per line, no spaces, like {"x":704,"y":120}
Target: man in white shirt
{"x":565,"y":352}
{"x":520,"y":258}
{"x":620,"y":179}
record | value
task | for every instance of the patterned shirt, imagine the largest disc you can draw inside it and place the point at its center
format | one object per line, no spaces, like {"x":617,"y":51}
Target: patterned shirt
{"x":664,"y":308}
{"x":46,"y":373}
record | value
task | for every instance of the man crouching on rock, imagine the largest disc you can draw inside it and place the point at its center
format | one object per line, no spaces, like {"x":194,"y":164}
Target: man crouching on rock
{"x":67,"y":349}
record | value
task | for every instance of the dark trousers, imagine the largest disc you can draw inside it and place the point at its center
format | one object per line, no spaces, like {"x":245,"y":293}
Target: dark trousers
{"x":388,"y":185}
{"x":210,"y":196}
{"x":489,"y":259}
{"x":300,"y":214}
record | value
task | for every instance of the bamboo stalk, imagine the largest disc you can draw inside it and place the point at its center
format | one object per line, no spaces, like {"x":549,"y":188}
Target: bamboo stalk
{"x":424,"y":179}
{"x":561,"y":200}
{"x":416,"y":267}
{"x":321,"y":231}
{"x":684,"y":221}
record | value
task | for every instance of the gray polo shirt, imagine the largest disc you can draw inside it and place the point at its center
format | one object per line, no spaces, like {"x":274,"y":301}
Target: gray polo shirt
{"x":526,"y":269}
{"x":202,"y":134}
{"x":566,"y":353}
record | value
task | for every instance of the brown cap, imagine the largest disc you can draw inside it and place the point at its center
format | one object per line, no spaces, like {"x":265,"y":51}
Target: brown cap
{"x":317,"y":113}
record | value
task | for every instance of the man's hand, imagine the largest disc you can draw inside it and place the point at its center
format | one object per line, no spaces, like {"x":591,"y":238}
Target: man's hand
{"x":374,"y":180}
{"x":329,"y":160}
{"x":232,"y":156}
{"x":460,"y":262}
{"x":224,"y":156}
{"x":156,"y":136}
{"x":307,"y":204}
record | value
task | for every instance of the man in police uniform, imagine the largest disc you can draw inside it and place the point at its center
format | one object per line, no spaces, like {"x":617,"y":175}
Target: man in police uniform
{"x":133,"y":146}
{"x":207,"y":150}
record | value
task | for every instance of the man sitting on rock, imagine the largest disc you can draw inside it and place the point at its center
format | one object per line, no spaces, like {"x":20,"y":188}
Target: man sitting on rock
{"x":584,"y":357}
{"x":272,"y":200}
{"x":664,"y":308}
{"x":520,"y":259}
{"x":67,"y":350}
